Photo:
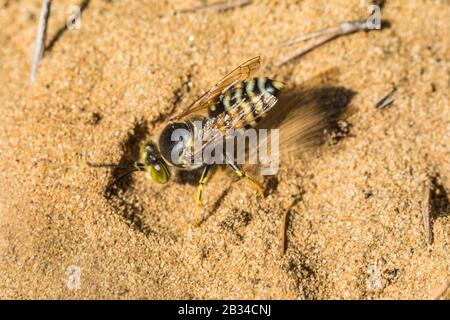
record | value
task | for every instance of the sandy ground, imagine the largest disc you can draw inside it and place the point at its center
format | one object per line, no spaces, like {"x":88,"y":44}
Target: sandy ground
{"x":355,"y":227}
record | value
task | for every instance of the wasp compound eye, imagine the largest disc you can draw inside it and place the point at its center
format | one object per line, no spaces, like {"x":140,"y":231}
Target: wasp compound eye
{"x":173,"y":141}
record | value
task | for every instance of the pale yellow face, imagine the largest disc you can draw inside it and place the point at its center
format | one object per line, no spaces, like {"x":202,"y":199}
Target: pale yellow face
{"x":154,"y":165}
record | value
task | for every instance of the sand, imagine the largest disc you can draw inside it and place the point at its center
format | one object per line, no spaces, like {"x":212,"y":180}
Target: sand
{"x":355,"y":224}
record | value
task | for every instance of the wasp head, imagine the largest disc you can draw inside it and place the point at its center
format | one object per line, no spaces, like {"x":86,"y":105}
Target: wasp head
{"x":153,"y":163}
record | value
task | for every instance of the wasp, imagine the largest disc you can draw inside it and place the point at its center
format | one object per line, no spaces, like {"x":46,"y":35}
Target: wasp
{"x":238,"y":100}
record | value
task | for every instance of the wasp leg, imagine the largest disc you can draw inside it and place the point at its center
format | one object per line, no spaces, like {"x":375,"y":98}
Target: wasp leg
{"x":241,"y":173}
{"x":198,"y":198}
{"x":203,"y":180}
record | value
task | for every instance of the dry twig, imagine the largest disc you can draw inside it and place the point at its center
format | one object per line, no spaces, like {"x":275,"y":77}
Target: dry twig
{"x":283,"y":231}
{"x":439,"y":292}
{"x":219,"y":6}
{"x":40,"y":37}
{"x":322,"y":37}
{"x":426,"y":214}
{"x":386,"y":100}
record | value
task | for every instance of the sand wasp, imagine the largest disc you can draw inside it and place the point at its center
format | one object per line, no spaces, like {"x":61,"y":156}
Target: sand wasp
{"x":239,"y":100}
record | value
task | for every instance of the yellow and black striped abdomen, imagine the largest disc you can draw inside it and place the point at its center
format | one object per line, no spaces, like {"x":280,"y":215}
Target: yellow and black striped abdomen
{"x":248,"y":100}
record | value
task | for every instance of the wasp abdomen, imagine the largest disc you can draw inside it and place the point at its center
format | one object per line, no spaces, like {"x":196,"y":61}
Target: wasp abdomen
{"x":249,"y":100}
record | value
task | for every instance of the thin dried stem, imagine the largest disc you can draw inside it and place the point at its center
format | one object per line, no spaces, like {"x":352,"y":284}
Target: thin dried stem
{"x":283,"y":232}
{"x":219,"y":6}
{"x":306,"y":37}
{"x":386,"y":100}
{"x":426,"y":215}
{"x":40,"y":37}
{"x":302,"y":51}
{"x":439,"y":292}
{"x":322,"y":36}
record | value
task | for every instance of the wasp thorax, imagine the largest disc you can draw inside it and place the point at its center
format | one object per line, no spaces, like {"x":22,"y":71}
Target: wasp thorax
{"x":174,"y":140}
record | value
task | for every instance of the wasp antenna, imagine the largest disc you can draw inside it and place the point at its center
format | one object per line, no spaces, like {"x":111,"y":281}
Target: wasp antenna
{"x":109,"y":165}
{"x":126,"y":174}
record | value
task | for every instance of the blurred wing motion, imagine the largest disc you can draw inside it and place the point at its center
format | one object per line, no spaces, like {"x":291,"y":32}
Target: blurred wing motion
{"x":304,"y":126}
{"x":244,"y":71}
{"x":303,"y":114}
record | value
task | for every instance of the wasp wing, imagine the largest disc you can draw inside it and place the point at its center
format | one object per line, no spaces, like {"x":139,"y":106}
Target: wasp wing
{"x":241,"y":113}
{"x":304,"y":114}
{"x":244,"y":71}
{"x":305,"y":125}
